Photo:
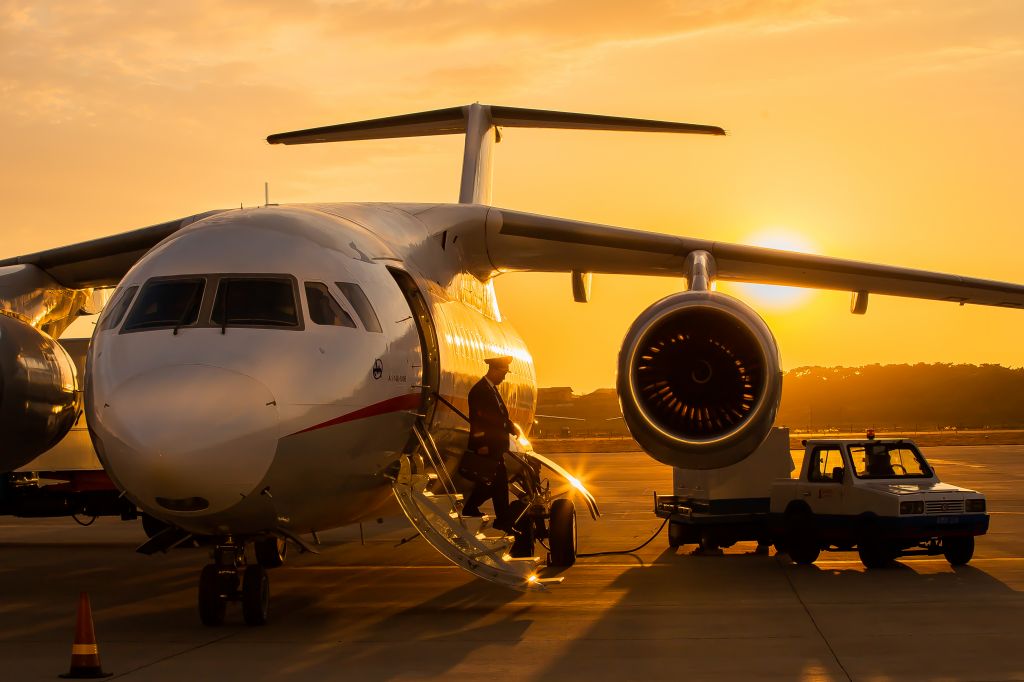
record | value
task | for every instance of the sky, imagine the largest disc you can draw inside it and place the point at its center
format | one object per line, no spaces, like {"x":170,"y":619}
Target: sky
{"x":886,"y":131}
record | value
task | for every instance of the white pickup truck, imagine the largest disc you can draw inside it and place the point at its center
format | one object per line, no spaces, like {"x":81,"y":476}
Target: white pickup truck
{"x":879,"y":496}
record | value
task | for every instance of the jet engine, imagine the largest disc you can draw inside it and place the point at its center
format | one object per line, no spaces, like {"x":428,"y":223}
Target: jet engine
{"x":699,"y":380}
{"x":39,"y":397}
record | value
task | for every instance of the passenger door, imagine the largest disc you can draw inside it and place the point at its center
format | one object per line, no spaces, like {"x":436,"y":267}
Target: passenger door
{"x":826,"y":471}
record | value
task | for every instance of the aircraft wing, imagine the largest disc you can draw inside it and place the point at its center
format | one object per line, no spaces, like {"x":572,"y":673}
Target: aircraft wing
{"x":525,"y":241}
{"x":101,"y":262}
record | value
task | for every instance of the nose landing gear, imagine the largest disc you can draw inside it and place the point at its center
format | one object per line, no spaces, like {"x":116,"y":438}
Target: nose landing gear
{"x":538,"y":517}
{"x":228,"y":578}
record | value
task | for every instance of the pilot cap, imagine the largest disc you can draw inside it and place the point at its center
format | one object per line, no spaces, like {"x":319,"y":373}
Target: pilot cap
{"x":502,"y":361}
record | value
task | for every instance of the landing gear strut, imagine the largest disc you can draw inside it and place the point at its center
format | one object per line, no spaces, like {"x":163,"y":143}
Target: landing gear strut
{"x":228,"y":578}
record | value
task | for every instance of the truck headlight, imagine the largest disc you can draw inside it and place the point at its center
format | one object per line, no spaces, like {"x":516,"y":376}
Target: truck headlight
{"x":975,"y":505}
{"x":916,"y":507}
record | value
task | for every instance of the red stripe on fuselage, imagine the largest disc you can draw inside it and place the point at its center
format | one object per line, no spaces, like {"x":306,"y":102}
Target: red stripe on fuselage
{"x":402,"y":402}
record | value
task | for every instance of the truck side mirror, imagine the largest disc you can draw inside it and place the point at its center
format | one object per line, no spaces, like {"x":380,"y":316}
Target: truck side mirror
{"x":837,"y":474}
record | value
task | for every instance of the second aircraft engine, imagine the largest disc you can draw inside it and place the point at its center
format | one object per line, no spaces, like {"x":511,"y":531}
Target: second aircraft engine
{"x":699,"y":380}
{"x":39,"y":397}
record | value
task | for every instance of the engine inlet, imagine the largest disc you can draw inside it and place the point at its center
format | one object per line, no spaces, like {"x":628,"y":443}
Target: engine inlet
{"x":699,"y":375}
{"x":699,"y":380}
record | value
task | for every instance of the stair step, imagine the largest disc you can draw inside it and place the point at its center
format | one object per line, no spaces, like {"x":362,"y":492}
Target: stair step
{"x":459,"y":538}
{"x":480,"y":522}
{"x":499,"y":552}
{"x":456,"y":497}
{"x":548,"y":581}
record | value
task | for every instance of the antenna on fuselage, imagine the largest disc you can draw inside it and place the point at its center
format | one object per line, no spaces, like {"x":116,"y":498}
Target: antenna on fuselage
{"x":480,"y":123}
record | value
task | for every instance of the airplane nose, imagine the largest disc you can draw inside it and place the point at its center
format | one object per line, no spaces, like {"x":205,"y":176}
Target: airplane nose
{"x":190,"y":439}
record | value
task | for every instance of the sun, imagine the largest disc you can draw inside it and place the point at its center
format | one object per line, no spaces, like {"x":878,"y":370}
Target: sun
{"x":771,"y":296}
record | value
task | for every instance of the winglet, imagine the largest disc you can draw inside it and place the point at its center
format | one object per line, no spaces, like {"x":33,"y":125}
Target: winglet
{"x":479,"y":123}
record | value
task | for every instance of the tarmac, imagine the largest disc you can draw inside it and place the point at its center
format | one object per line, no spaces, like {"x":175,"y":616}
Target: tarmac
{"x":366,"y":609}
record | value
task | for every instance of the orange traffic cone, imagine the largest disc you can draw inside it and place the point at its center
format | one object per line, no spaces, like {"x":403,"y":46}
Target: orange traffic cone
{"x":85,"y":655}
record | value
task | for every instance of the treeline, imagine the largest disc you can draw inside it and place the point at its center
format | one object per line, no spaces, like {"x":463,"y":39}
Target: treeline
{"x":918,"y":397}
{"x":903,"y":397}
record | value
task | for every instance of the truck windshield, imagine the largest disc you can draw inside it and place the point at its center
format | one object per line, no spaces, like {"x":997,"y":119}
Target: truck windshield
{"x":888,"y":460}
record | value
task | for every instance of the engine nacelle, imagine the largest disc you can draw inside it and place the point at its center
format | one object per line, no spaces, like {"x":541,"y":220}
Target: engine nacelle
{"x":39,"y":397}
{"x":699,"y":380}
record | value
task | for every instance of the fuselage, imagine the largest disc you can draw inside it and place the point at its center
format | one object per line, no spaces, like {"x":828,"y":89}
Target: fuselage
{"x":262,"y":369}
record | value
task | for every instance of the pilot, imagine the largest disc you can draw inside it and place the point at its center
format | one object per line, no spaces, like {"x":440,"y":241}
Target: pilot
{"x":489,"y":429}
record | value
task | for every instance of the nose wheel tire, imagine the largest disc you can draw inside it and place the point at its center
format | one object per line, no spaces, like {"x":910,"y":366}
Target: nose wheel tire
{"x":212,"y":602}
{"x":229,"y":579}
{"x":255,"y":595}
{"x":562,"y":531}
{"x":271,"y":552}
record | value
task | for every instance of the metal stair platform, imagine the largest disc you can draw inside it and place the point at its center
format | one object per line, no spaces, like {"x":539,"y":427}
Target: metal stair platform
{"x":460,"y":539}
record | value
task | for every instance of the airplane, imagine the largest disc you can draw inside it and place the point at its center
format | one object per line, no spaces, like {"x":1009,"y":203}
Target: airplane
{"x":257,"y":375}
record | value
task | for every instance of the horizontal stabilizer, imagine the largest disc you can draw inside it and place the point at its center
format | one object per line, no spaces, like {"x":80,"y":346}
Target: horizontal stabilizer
{"x":515,"y":117}
{"x":454,"y":120}
{"x":480,"y":123}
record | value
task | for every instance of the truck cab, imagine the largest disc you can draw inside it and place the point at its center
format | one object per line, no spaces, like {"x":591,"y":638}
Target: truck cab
{"x":878,"y":495}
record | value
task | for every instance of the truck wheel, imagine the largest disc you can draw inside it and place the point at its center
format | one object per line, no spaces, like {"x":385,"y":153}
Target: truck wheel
{"x":708,"y":544}
{"x":562,"y":526}
{"x":803,"y":551}
{"x":801,"y":542}
{"x":675,"y":534}
{"x":875,"y":555}
{"x":958,"y":550}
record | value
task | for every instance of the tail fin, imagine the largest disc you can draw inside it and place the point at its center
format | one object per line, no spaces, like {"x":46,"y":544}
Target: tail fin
{"x":479,"y":122}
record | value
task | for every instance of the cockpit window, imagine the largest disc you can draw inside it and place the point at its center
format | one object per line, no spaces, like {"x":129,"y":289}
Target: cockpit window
{"x":323,"y":309}
{"x":167,"y":303}
{"x":361,"y":304}
{"x":115,"y":310}
{"x":255,"y":302}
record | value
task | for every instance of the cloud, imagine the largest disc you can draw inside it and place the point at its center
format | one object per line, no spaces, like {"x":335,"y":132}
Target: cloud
{"x":962,"y":58}
{"x":65,"y":60}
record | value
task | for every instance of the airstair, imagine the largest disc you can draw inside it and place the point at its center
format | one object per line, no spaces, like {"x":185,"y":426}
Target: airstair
{"x":427,"y":495}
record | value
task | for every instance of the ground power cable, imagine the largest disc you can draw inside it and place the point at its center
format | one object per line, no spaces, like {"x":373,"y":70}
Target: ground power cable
{"x":622,"y":551}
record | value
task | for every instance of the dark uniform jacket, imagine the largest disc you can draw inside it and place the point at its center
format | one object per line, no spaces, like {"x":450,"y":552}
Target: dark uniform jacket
{"x":489,"y":425}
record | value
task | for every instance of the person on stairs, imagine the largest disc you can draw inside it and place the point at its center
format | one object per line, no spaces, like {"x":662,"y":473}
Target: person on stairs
{"x":489,"y":429}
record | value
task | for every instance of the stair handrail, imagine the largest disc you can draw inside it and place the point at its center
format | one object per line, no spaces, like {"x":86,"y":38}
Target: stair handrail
{"x":429,"y":447}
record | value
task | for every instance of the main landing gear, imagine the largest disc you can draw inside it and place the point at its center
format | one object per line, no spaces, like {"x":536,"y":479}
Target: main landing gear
{"x":229,"y":578}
